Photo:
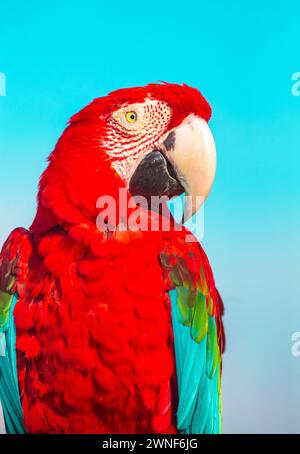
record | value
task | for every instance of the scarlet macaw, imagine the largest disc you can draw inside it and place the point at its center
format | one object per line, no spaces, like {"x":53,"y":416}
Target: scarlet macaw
{"x":114,"y":331}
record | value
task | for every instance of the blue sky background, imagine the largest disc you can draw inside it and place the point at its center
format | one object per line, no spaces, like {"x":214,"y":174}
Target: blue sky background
{"x":57,"y":56}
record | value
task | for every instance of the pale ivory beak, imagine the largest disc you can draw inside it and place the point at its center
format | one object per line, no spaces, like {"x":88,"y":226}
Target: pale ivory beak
{"x":194,"y":160}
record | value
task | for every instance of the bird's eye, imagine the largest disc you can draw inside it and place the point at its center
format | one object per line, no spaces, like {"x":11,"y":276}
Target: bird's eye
{"x":131,"y":116}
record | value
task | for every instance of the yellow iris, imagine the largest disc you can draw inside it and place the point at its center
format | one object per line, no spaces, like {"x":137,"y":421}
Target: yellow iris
{"x":131,"y":116}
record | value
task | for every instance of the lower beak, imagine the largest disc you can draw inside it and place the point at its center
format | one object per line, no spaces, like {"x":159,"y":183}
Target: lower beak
{"x":193,"y":157}
{"x":184,"y":162}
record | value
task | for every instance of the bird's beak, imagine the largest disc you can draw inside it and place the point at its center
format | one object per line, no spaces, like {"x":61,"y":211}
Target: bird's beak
{"x":184,"y":162}
{"x":192,"y":154}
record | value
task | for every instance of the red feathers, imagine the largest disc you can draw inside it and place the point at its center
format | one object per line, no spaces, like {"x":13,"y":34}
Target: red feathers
{"x":94,"y":332}
{"x":80,"y":170}
{"x":183,"y":100}
{"x":96,"y":354}
{"x":95,"y":344}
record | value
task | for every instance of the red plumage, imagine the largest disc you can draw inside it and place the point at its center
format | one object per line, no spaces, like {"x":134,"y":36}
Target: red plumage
{"x":94,"y":334}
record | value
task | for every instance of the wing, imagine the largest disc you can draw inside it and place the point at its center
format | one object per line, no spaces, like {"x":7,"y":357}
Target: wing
{"x":199,"y":339}
{"x":14,"y":260}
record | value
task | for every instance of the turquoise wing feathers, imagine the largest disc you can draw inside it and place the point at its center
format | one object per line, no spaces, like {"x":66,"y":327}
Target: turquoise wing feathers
{"x":14,"y":259}
{"x":199,"y":407}
{"x":197,"y":310}
{"x":9,"y":388}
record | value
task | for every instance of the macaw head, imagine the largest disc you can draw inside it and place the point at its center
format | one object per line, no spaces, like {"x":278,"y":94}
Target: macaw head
{"x":152,"y":140}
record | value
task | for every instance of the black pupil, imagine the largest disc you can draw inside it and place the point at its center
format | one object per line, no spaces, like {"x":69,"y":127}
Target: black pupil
{"x":132,"y":116}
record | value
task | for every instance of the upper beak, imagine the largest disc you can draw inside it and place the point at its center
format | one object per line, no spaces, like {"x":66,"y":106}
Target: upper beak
{"x":193,"y":157}
{"x":184,"y":162}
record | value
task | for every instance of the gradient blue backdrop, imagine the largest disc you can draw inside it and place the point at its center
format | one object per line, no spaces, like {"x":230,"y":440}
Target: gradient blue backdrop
{"x":57,"y":56}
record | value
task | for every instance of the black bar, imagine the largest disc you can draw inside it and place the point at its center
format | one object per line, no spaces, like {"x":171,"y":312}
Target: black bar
{"x":133,"y":443}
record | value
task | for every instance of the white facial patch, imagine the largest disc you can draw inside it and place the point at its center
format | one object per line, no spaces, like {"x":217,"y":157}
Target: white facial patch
{"x":135,"y":129}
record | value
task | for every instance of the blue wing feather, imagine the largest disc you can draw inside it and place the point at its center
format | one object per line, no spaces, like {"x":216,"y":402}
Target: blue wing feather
{"x":199,"y":404}
{"x":9,"y":388}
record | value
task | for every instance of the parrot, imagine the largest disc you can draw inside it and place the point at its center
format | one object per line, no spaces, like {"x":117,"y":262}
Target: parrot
{"x":106,"y":327}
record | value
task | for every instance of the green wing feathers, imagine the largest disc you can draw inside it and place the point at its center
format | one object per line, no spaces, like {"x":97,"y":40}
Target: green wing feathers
{"x":199,"y":340}
{"x":14,"y":260}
